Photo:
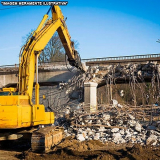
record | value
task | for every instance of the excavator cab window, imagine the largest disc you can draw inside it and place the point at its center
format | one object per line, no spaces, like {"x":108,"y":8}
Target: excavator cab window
{"x":8,"y":93}
{"x":4,"y":93}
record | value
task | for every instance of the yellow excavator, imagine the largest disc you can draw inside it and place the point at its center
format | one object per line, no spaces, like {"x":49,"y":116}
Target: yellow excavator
{"x":18,"y":114}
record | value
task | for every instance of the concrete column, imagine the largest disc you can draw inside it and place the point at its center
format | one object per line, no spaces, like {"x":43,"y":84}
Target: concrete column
{"x":90,"y":96}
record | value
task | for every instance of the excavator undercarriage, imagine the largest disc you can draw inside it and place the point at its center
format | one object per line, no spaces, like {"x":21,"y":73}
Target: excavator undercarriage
{"x":45,"y":138}
{"x":41,"y":139}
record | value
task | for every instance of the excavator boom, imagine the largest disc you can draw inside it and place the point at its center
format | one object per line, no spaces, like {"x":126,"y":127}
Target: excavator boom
{"x":37,"y":43}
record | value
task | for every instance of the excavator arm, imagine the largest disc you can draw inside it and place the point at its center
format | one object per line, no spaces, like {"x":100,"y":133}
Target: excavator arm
{"x":37,"y":43}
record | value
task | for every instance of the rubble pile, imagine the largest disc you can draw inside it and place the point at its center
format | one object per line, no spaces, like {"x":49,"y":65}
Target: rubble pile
{"x":139,"y":70}
{"x":110,"y":126}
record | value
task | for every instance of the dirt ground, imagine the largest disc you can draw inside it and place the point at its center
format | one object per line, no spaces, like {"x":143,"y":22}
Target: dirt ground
{"x":87,"y":150}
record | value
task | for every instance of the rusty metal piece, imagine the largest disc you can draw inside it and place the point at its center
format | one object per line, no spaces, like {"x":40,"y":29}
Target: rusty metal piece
{"x":45,"y":138}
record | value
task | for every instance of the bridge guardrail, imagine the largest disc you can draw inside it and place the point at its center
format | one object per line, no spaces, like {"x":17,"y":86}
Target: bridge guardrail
{"x":123,"y":57}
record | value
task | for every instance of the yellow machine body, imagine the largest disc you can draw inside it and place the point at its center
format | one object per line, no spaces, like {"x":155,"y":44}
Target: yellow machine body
{"x":16,"y":112}
{"x":16,"y":107}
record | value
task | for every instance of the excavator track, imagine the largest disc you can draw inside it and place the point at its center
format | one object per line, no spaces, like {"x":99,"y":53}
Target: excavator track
{"x":44,"y":139}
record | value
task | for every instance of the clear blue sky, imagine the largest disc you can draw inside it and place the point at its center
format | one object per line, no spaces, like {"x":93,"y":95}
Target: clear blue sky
{"x":103,"y":28}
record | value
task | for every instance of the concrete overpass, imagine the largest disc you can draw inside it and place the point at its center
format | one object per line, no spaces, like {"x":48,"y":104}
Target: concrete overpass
{"x":49,"y":74}
{"x":53,"y":73}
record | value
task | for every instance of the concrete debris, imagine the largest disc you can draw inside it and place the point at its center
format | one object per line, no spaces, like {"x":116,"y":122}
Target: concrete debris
{"x":123,"y":71}
{"x":131,"y":117}
{"x":114,"y":103}
{"x":152,"y":140}
{"x":106,"y":117}
{"x":120,"y":106}
{"x":138,"y":127}
{"x":122,"y":132}
{"x":115,"y":130}
{"x":110,"y":126}
{"x":132,"y":122}
{"x":80,"y":137}
{"x":116,"y":137}
{"x":107,"y":123}
{"x":113,"y":125}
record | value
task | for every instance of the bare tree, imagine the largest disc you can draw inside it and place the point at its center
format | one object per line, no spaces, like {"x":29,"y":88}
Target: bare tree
{"x":54,"y":50}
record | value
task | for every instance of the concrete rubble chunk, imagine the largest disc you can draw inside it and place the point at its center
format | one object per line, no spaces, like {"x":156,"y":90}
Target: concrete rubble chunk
{"x":96,"y":137}
{"x":132,"y":123}
{"x":90,"y":122}
{"x":114,"y":103}
{"x":128,"y":135}
{"x":115,"y":130}
{"x":131,"y":116}
{"x":108,"y":124}
{"x":121,"y":131}
{"x":143,"y":137}
{"x":152,"y":140}
{"x":155,"y":133}
{"x":106,"y":117}
{"x":88,"y":129}
{"x":119,"y":105}
{"x":80,"y":137}
{"x":138,"y":127}
{"x":135,"y":133}
{"x":98,"y":121}
{"x":90,"y":133}
{"x":101,"y":129}
{"x":82,"y":123}
{"x":117,"y":137}
{"x":80,"y":130}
